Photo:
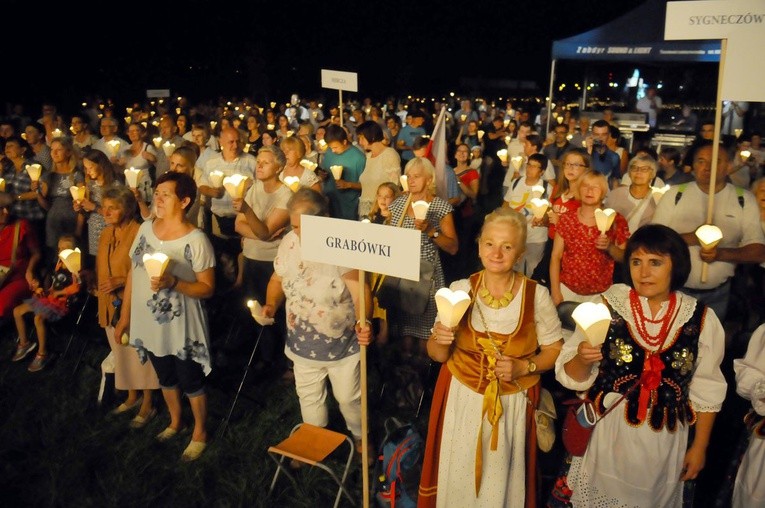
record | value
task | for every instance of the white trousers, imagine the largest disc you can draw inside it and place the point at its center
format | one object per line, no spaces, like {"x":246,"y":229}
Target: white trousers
{"x":311,"y":386}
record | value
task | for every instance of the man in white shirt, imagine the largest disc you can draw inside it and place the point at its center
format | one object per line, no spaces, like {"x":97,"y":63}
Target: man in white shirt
{"x":109,"y":143}
{"x":684,"y":209}
{"x":231,"y":161}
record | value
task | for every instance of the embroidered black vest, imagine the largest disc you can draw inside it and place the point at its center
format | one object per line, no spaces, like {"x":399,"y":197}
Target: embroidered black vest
{"x":622,"y":366}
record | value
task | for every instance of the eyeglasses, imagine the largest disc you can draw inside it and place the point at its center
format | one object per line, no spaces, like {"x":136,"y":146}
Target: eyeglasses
{"x":573,"y":165}
{"x":641,"y":169}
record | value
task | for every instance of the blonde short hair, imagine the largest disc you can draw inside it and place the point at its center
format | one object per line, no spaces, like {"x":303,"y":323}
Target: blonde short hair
{"x":511,"y":218}
{"x":427,"y":169}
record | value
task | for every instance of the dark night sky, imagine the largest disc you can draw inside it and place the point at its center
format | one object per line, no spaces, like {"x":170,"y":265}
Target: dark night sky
{"x":205,"y":49}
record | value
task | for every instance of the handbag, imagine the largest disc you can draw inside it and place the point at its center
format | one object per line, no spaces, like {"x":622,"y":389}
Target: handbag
{"x":6,"y":270}
{"x":581,"y":419}
{"x":404,"y":294}
{"x":411,"y":296}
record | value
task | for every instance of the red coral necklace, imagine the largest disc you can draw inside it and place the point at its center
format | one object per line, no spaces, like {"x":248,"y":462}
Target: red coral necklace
{"x":640,"y":319}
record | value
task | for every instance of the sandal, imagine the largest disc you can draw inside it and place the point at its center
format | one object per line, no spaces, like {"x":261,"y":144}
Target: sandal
{"x":122,"y":408}
{"x":22,"y":351}
{"x":139,"y":422}
{"x":167,"y":434}
{"x":193,"y":451}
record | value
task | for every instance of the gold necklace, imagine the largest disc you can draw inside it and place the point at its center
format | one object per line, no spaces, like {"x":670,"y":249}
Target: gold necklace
{"x":496,"y":303}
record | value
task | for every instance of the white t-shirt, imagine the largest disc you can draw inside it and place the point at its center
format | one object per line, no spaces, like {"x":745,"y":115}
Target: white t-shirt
{"x":740,"y":225}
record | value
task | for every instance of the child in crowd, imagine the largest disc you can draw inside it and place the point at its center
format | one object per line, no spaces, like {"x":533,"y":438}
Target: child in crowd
{"x":387,"y":192}
{"x":47,"y":305}
{"x":476,"y":157}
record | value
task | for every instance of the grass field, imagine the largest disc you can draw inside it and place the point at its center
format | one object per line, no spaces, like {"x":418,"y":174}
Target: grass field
{"x":60,"y":448}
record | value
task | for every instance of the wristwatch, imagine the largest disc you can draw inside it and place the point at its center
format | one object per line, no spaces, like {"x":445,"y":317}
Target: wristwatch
{"x":532,"y":367}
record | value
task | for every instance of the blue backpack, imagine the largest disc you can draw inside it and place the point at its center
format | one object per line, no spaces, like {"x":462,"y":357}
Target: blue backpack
{"x":399,"y":465}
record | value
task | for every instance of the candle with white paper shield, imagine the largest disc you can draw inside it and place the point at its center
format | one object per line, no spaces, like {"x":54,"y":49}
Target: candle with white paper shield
{"x":420,"y":209}
{"x":517,"y":162}
{"x":451,"y":306}
{"x":745,"y":154}
{"x":216,"y":178}
{"x":2,"y":184}
{"x":256,"y":310}
{"x":234,"y":185}
{"x":337,"y":172}
{"x":114,"y":146}
{"x":309,"y":165}
{"x":57,"y":133}
{"x":168,"y":148}
{"x":78,"y":193}
{"x":131,"y":177}
{"x":404,"y":182}
{"x":537,"y":191}
{"x":157,"y":141}
{"x":604,"y":219}
{"x":72,"y":259}
{"x":709,"y":236}
{"x":539,"y":207}
{"x":322,"y":145}
{"x":480,"y":135}
{"x":594,"y":320}
{"x":155,"y":264}
{"x":502,"y":154}
{"x":34,"y":171}
{"x":658,"y":192}
{"x":293,"y":182}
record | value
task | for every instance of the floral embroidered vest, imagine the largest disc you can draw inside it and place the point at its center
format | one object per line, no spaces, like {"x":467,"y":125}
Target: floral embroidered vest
{"x":622,"y":366}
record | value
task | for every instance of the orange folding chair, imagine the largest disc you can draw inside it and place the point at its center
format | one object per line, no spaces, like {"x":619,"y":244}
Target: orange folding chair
{"x":311,"y":445}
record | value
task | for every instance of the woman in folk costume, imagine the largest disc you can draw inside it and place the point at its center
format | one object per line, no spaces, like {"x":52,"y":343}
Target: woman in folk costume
{"x":659,"y":372}
{"x":481,"y":445}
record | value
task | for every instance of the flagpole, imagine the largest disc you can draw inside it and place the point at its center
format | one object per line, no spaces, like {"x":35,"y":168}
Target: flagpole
{"x":340,"y":104}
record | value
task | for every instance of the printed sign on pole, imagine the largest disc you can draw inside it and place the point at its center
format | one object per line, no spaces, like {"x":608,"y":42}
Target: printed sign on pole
{"x":339,"y":80}
{"x":742,"y":23}
{"x":361,"y":245}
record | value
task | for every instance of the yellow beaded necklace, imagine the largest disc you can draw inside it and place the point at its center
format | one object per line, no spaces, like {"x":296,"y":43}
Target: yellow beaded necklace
{"x":496,"y":303}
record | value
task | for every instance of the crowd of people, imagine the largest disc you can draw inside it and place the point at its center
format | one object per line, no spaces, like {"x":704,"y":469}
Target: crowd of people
{"x":201,"y":201}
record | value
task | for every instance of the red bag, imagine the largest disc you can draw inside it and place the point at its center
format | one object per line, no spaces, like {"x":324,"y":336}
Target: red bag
{"x":575,"y":435}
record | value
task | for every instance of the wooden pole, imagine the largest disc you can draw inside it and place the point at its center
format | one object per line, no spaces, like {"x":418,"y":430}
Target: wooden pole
{"x":362,"y":317}
{"x":340,"y":106}
{"x":715,"y":148}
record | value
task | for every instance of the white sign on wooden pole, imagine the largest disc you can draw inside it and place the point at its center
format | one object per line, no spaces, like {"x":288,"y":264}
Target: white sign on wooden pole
{"x":340,"y":80}
{"x":742,"y":23}
{"x":362,"y":245}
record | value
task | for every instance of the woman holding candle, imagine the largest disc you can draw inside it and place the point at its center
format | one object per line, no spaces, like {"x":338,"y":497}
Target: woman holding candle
{"x":437,"y":232}
{"x":383,"y":164}
{"x":140,"y":154}
{"x":99,"y":174}
{"x":294,"y":150}
{"x":112,"y":268}
{"x":26,"y":193}
{"x":582,"y":259}
{"x":564,"y":198}
{"x":660,"y":365}
{"x":635,"y":202}
{"x":283,"y":127}
{"x":61,"y":218}
{"x":483,"y":405}
{"x":163,"y":314}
